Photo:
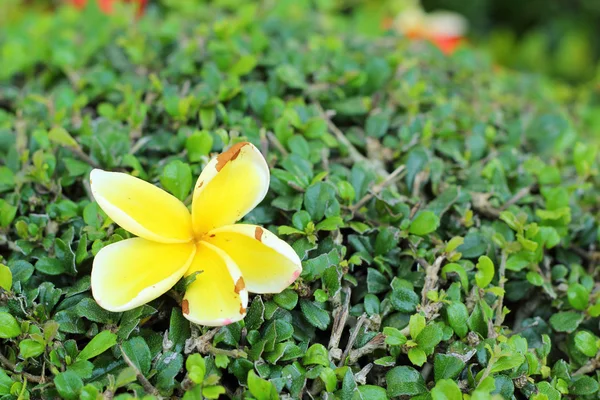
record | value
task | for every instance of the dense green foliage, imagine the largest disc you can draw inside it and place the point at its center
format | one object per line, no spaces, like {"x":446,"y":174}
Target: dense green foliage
{"x":446,"y":212}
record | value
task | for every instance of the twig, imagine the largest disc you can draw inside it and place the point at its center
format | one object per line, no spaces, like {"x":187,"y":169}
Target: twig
{"x":499,"y":305}
{"x":591,"y":366}
{"x":361,"y":376}
{"x":354,"y":154}
{"x":339,"y":322}
{"x":378,"y":188}
{"x":81,"y":154}
{"x":431,"y":277}
{"x":377,"y":342}
{"x":273,"y":139}
{"x":515,"y":199}
{"x":352,"y":338}
{"x":140,"y":377}
{"x":8,"y":364}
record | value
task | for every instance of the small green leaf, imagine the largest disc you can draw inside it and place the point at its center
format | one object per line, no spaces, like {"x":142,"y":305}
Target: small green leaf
{"x":9,"y":327}
{"x":198,"y":145}
{"x":393,"y":337}
{"x":417,"y":356}
{"x":586,"y":342}
{"x":404,"y":381}
{"x":424,"y":223}
{"x":316,"y":354}
{"x":69,"y":385}
{"x":5,"y":278}
{"x":286,"y":299}
{"x":416,"y":324}
{"x":315,"y":315}
{"x":30,"y":348}
{"x":404,"y":300}
{"x":260,"y":388}
{"x":458,"y":317}
{"x":485,"y":272}
{"x":61,"y":137}
{"x":177,"y":179}
{"x":446,"y":389}
{"x":566,"y":321}
{"x":578,"y":296}
{"x":429,"y":337}
{"x":138,"y":352}
{"x":98,"y":345}
{"x":446,"y":366}
{"x":583,"y":386}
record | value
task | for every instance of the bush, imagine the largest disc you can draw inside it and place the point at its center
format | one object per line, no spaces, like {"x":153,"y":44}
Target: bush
{"x":446,"y":212}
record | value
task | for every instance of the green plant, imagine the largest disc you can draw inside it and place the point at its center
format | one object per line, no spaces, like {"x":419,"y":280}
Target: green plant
{"x":446,"y":213}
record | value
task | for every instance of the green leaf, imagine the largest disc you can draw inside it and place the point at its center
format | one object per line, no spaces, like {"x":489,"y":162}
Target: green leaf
{"x":61,"y":137}
{"x":578,"y":296}
{"x":316,"y":354}
{"x":586,"y":342}
{"x":404,"y":381}
{"x":416,"y":324}
{"x":330,"y":224}
{"x":424,"y":223}
{"x":566,"y":321}
{"x":98,"y":345}
{"x":506,"y":362}
{"x":5,"y":278}
{"x":69,"y":385}
{"x":198,"y":145}
{"x":446,"y":366}
{"x":315,"y":315}
{"x":393,"y":337}
{"x":30,"y":348}
{"x":583,"y":386}
{"x":260,"y":388}
{"x":177,"y":179}
{"x":370,"y":392}
{"x":329,"y":378}
{"x":213,"y":392}
{"x":417,"y":356}
{"x":485,"y":272}
{"x":138,"y":352}
{"x":320,"y":201}
{"x":7,"y":213}
{"x":376,"y":281}
{"x":404,"y":300}
{"x":196,"y":368}
{"x":9,"y":327}
{"x":446,"y":389}
{"x":458,"y":317}
{"x":429,"y":337}
{"x":460,"y":271}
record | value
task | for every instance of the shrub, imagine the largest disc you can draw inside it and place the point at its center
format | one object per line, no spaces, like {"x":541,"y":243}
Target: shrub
{"x":446,"y":212}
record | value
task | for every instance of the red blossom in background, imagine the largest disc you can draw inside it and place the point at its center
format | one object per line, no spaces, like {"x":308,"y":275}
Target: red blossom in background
{"x":444,"y":29}
{"x":106,"y":6}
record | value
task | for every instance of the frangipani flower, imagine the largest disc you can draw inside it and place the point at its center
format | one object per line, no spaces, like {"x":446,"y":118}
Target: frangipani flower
{"x":233,"y":259}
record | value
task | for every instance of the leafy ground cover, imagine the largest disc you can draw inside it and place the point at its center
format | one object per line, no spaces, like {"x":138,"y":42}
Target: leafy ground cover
{"x":446,"y":211}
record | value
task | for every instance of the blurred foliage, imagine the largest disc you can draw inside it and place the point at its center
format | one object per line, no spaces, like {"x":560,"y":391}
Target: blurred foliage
{"x":446,"y":210}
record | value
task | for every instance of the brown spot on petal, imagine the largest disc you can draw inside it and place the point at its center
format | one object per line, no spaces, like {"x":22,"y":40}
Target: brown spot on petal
{"x":200,"y":185}
{"x":229,"y":155}
{"x":239,"y":285}
{"x":258,"y":232}
{"x":242,"y":310}
{"x":185,"y":307}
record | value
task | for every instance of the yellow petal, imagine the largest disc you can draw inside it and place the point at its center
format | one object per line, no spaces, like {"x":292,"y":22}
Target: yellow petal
{"x":141,"y":208}
{"x":218,"y":295}
{"x":229,"y":187}
{"x":267,"y":263}
{"x":135,"y":271}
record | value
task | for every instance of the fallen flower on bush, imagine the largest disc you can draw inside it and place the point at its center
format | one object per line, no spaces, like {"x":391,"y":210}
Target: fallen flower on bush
{"x":228,"y":260}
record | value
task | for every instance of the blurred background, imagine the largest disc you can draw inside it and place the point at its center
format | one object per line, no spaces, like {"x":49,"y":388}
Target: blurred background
{"x":559,"y":38}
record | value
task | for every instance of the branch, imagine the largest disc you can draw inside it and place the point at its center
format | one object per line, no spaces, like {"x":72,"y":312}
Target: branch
{"x":352,"y":338}
{"x":499,"y":306}
{"x":591,"y":366}
{"x":378,"y":342}
{"x":354,"y":154}
{"x":9,"y":365}
{"x":378,"y":188}
{"x":140,"y":377}
{"x":431,"y":277}
{"x":339,"y":322}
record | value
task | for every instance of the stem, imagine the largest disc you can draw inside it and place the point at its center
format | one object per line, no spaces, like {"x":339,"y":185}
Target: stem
{"x":140,"y":377}
{"x":352,"y":338}
{"x":499,"y":305}
{"x":273,"y":139}
{"x":339,"y":322}
{"x":8,"y":364}
{"x":378,"y":342}
{"x":81,"y":154}
{"x":591,"y":366}
{"x":378,"y":188}
{"x":431,"y":276}
{"x":354,"y":154}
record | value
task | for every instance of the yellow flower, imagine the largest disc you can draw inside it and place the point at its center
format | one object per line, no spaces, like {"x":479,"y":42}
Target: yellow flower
{"x":232,"y":259}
